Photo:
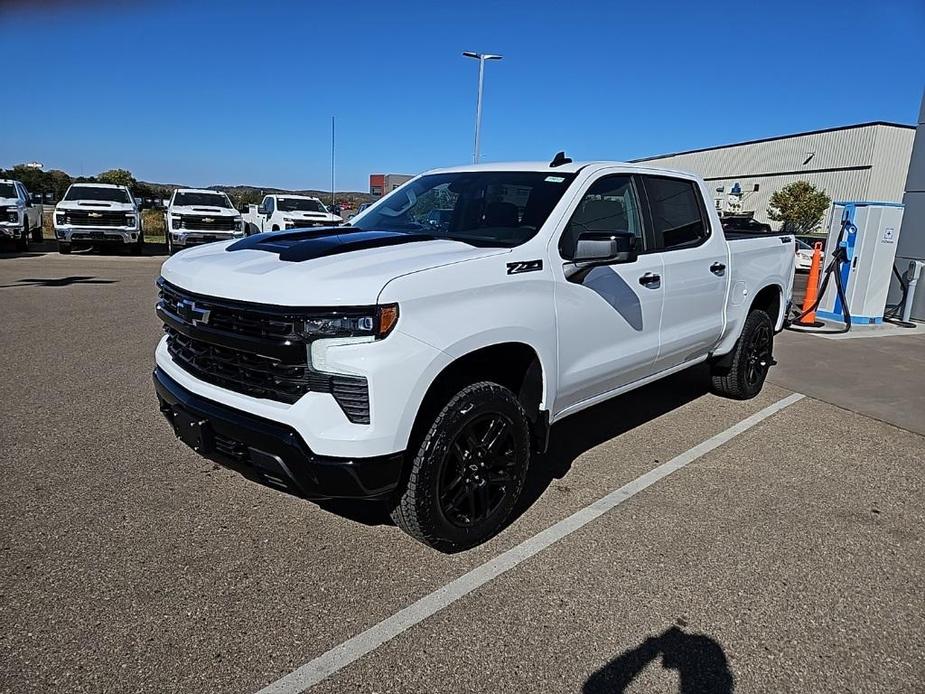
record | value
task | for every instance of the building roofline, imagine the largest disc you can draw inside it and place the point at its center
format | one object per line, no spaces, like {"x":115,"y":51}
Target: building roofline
{"x":778,"y":137}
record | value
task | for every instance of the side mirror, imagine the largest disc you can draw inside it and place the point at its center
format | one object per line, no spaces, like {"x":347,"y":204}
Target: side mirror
{"x":261,"y":209}
{"x":596,"y":248}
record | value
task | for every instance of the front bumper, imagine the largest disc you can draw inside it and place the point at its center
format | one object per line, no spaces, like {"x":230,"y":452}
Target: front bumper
{"x":69,"y":234}
{"x":269,"y":452}
{"x":184,"y":239}
{"x":9,"y":230}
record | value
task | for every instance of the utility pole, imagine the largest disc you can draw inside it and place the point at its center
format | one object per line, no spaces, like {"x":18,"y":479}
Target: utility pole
{"x":481,"y":57}
{"x":332,"y":161}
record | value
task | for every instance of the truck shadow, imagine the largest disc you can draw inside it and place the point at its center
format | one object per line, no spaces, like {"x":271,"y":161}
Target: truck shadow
{"x":572,"y":437}
{"x":583,"y":431}
{"x":699,"y":660}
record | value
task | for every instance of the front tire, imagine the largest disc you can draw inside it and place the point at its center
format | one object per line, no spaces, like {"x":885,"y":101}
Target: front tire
{"x":22,"y":243}
{"x":37,"y":235}
{"x":469,"y":470}
{"x":752,"y":358}
{"x":64,"y":248}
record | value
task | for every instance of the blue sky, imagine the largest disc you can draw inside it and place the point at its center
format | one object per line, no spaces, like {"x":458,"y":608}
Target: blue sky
{"x":231,"y":92}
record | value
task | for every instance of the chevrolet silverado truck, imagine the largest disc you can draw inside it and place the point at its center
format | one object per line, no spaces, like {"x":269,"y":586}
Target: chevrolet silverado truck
{"x":283,"y":212}
{"x":91,"y":214}
{"x":20,"y":218}
{"x":423,"y":362}
{"x":195,"y":216}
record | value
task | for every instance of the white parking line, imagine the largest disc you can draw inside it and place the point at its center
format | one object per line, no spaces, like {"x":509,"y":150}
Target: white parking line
{"x":355,"y":648}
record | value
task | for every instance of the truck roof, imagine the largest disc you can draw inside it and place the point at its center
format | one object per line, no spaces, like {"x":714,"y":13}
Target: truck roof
{"x":85,"y":184}
{"x":294,"y":195}
{"x":200,"y":190}
{"x":543,"y":166}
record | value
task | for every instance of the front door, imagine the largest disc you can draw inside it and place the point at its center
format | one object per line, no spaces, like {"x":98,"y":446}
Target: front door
{"x":608,"y":323}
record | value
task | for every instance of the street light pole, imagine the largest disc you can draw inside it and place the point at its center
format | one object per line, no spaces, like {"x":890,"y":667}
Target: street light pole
{"x":481,"y":57}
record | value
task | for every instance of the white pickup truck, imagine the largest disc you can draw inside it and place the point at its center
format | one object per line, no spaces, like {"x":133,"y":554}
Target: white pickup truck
{"x":20,"y":218}
{"x":196,"y":216}
{"x":422,"y":358}
{"x":282,"y":212}
{"x":90,"y":214}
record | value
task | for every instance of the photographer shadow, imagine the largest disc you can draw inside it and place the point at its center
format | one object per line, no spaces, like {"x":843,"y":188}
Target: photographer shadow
{"x":699,"y":660}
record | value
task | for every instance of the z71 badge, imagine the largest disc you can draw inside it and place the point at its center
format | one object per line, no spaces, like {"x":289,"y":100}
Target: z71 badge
{"x":524,"y":266}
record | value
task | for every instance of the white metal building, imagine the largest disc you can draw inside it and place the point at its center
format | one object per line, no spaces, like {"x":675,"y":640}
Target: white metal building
{"x":867,"y":161}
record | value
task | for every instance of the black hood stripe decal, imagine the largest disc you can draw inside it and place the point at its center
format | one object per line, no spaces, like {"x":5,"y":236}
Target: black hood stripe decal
{"x":308,"y":244}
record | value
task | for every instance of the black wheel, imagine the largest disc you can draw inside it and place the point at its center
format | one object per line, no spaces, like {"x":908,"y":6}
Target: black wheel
{"x":64,"y":248}
{"x":138,"y":246}
{"x":22,"y":243}
{"x":275,"y":228}
{"x":171,"y":249}
{"x":752,"y":358}
{"x":469,"y":470}
{"x":37,"y":235}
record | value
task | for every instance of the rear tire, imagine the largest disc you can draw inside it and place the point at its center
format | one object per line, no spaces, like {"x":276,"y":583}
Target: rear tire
{"x":752,"y":358}
{"x":64,"y":248}
{"x":468,"y":472}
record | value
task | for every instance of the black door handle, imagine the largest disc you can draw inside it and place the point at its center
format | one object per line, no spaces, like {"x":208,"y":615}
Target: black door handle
{"x":650,"y":279}
{"x":718,"y":269}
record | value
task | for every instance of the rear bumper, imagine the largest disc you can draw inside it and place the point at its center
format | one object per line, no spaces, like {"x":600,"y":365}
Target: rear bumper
{"x":269,"y":452}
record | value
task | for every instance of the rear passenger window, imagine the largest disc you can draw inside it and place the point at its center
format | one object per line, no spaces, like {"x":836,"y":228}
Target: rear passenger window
{"x":677,"y":217}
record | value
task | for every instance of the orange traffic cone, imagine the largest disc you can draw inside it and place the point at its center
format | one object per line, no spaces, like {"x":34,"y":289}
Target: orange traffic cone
{"x":812,"y":289}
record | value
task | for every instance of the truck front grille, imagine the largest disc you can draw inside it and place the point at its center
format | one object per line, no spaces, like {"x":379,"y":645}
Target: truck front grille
{"x":96,"y":218}
{"x":207,"y":223}
{"x":250,"y":349}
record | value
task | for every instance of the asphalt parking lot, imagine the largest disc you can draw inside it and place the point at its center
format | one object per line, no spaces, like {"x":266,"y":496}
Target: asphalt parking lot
{"x":787,"y":557}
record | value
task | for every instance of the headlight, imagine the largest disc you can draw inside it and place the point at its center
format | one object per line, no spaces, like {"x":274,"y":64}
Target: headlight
{"x":130,"y":220}
{"x":12,"y":215}
{"x":239,"y":223}
{"x":59,"y":218}
{"x":375,"y":322}
{"x":175,"y":223}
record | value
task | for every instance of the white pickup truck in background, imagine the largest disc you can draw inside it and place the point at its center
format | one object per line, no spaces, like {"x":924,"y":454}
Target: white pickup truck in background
{"x":420,"y":358}
{"x":91,"y":214}
{"x":20,"y":218}
{"x":281,"y":212}
{"x":196,"y":216}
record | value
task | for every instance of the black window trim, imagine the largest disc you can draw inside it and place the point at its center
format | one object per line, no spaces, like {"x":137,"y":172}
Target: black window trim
{"x":657,"y":239}
{"x":646,"y":238}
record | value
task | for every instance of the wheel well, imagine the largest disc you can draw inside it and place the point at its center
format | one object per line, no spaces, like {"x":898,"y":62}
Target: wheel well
{"x":514,"y":365}
{"x":768,"y":300}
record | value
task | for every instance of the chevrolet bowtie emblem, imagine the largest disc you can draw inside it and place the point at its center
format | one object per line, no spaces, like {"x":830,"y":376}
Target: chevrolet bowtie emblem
{"x":191,"y":313}
{"x":96,"y":214}
{"x":207,"y":220}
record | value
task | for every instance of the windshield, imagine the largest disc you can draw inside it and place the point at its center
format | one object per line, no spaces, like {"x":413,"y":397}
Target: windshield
{"x":803,"y":246}
{"x":97,"y":193}
{"x":7,"y":190}
{"x":490,"y":208}
{"x":206,"y":199}
{"x":300,"y":205}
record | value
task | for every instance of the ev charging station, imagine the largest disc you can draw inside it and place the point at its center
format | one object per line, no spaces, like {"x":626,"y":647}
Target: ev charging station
{"x":868,"y":232}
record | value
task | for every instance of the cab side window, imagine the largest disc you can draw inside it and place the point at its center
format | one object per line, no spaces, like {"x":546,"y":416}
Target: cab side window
{"x":678,"y":219}
{"x":610,"y":204}
{"x":271,"y":204}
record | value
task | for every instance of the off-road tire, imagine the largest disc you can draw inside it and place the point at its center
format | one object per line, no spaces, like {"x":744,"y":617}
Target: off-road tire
{"x":64,"y":248}
{"x":738,"y":380}
{"x":417,"y":509}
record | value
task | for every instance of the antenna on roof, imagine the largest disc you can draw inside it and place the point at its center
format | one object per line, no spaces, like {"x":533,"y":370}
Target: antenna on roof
{"x":559,"y":160}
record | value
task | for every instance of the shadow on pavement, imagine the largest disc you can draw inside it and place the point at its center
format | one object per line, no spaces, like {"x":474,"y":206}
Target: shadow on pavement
{"x":570,"y":439}
{"x":699,"y":660}
{"x":57,"y":281}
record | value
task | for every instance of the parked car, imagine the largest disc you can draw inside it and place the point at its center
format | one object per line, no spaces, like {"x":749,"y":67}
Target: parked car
{"x":812,"y":239}
{"x":91,"y":214}
{"x":196,"y":216}
{"x":387,"y":361}
{"x":746,"y":224}
{"x":803,"y":257}
{"x":281,"y":212}
{"x":20,"y":217}
{"x":362,"y":208}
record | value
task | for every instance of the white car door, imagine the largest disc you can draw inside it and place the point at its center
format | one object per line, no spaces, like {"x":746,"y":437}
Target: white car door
{"x":695,"y":275}
{"x":608,"y":322}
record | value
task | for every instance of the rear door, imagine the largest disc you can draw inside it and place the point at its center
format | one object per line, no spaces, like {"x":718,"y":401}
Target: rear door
{"x":608,"y":322}
{"x":695,"y":273}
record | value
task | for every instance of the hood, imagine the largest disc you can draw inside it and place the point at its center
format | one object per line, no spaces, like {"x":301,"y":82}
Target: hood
{"x":9,"y":202}
{"x":311,"y":268}
{"x":91,"y":205}
{"x":204,"y":209}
